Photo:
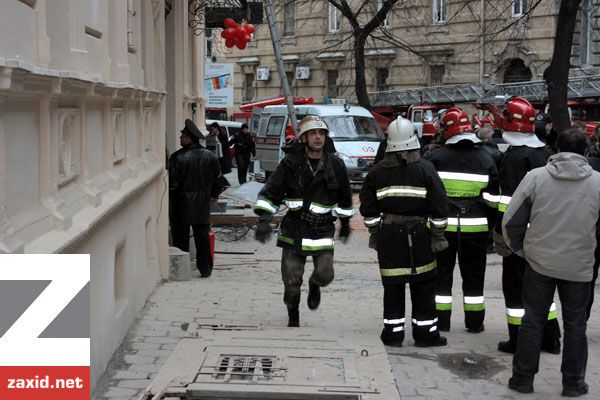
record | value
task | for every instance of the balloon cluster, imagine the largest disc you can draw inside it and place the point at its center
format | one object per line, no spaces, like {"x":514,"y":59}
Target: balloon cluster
{"x":237,"y":35}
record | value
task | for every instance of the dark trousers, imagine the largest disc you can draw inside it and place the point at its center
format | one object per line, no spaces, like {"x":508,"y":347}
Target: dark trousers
{"x":595,"y":277}
{"x":471,"y":252}
{"x":513,"y":268}
{"x":538,"y":292}
{"x":292,"y":271}
{"x":243,"y":162}
{"x":181,"y":239}
{"x":424,"y":321}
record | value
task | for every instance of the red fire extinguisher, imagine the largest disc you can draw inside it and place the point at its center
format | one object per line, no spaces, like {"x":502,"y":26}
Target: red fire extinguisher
{"x":211,"y":238}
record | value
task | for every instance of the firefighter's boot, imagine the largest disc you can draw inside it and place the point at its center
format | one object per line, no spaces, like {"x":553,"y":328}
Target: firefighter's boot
{"x":314,"y":295}
{"x":293,"y":315}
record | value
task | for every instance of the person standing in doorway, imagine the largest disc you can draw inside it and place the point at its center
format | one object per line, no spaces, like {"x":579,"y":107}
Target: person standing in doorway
{"x":193,"y":186}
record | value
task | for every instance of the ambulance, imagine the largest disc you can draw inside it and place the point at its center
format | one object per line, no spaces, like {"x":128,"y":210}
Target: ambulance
{"x":354,"y":131}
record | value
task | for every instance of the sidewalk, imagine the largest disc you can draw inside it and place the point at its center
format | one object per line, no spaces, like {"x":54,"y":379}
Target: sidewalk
{"x":247,"y":290}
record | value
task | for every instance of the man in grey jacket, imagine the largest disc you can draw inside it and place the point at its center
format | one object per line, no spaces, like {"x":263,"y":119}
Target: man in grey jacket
{"x":552,"y":221}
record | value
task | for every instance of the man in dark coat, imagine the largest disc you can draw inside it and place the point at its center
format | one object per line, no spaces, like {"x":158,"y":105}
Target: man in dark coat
{"x":244,"y":147}
{"x":193,"y":186}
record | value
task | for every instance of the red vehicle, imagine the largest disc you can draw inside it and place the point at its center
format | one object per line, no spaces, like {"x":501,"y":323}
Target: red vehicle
{"x":586,"y":111}
{"x":245,"y":113}
{"x":423,"y":116}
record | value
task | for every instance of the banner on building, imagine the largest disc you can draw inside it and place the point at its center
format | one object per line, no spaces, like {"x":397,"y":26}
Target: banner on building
{"x":218,"y":85}
{"x":45,"y":326}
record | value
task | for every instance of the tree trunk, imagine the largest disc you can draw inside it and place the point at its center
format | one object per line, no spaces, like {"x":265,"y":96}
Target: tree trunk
{"x":360,"y":85}
{"x":557,"y":73}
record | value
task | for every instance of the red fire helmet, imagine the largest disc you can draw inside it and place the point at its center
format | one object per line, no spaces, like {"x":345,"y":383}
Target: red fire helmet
{"x":455,"y":121}
{"x":518,"y":116}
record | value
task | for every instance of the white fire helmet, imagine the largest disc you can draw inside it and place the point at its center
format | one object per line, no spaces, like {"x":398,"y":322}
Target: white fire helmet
{"x":402,"y":136}
{"x":312,"y":122}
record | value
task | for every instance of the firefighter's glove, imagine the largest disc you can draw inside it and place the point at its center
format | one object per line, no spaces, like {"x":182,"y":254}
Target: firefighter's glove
{"x":438,"y":240}
{"x":500,"y":245}
{"x":263,"y":229}
{"x":345,"y":230}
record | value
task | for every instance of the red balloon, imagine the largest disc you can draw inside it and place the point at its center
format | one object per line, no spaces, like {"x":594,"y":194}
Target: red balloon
{"x":249,"y":28}
{"x":229,"y":43}
{"x":229,"y":23}
{"x":223,"y":34}
{"x":229,"y":33}
{"x":247,"y":38}
{"x":240,"y":32}
{"x":241,"y":45}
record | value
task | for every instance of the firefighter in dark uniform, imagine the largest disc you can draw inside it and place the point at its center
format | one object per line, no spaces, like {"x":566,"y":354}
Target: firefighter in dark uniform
{"x":526,"y":152}
{"x":470,"y":177}
{"x":314,"y":185}
{"x":404,"y":205}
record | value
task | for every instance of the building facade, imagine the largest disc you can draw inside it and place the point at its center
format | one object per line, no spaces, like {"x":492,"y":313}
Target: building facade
{"x":421,"y":43}
{"x":92,"y":95}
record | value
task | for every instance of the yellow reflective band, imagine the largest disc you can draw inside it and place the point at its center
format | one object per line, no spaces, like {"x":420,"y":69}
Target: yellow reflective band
{"x":401,"y":191}
{"x":407,"y":270}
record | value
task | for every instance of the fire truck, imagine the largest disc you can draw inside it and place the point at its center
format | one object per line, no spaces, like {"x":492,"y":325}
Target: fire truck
{"x":583,"y":94}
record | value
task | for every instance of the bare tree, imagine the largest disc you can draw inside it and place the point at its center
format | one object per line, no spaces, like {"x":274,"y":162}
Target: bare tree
{"x":557,"y":74}
{"x":360,"y":32}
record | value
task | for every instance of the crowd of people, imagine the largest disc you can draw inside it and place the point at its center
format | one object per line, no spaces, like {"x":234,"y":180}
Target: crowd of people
{"x":427,"y":207}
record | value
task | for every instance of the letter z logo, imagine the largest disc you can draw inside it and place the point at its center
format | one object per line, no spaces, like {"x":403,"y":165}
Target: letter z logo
{"x":44,"y":309}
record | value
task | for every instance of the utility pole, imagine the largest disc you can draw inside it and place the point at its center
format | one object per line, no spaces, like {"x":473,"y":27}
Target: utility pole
{"x":277,"y":48}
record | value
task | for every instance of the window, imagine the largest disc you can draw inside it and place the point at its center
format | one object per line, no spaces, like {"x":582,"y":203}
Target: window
{"x":439,"y":11}
{"x":585,"y":43}
{"x":334,"y":19}
{"x":332,"y":89}
{"x":437,"y":75}
{"x":93,"y":13}
{"x":248,"y":87}
{"x":275,"y":126}
{"x":131,"y":26}
{"x":69,"y":135}
{"x":382,"y":75}
{"x":386,"y":22}
{"x":518,"y":7}
{"x":289,"y":15}
{"x":209,"y":43}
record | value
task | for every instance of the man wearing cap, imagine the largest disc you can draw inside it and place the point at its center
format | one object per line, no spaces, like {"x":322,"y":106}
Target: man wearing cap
{"x":313,"y":184}
{"x":193,"y":185}
{"x":470,"y":177}
{"x":525,"y":152}
{"x":404,"y":206}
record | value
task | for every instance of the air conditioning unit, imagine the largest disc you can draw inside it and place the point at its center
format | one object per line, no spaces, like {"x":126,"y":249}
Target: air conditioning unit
{"x":302,"y":73}
{"x":263,"y":74}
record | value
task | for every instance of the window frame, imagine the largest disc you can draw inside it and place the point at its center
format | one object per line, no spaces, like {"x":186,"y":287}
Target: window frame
{"x":382,"y":86}
{"x":289,"y":25}
{"x":434,"y":69}
{"x":248,"y":89}
{"x":438,"y":11}
{"x":522,"y":4}
{"x":333,"y":20}
{"x":329,"y":84}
